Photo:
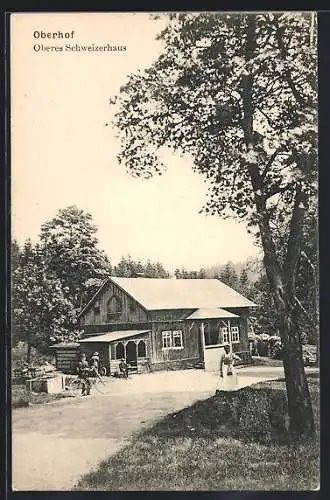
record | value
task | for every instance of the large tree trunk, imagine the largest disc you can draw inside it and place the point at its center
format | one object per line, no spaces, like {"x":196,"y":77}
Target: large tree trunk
{"x":282,"y":283}
{"x":283,"y":288}
{"x":281,"y":278}
{"x":299,"y":401}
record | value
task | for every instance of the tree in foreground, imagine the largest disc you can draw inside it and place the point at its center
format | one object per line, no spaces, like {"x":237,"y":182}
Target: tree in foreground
{"x":237,"y":93}
{"x":306,"y":287}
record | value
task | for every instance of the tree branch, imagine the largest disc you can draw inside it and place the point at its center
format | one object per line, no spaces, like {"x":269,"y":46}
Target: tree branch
{"x":283,"y":50}
{"x":295,"y":238}
{"x":268,"y":91}
{"x":264,"y":44}
{"x":312,"y":323}
{"x":278,"y":190}
{"x":271,"y":262}
{"x":270,"y":162}
{"x":270,"y":121}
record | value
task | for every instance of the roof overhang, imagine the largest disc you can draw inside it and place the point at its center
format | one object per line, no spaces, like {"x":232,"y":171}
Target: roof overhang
{"x":211,"y":313}
{"x":65,"y":345}
{"x":111,"y":336}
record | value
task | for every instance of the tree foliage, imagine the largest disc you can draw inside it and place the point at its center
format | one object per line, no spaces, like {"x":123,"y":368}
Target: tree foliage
{"x":185,"y":274}
{"x":306,"y":289}
{"x":228,"y":275}
{"x":72,"y":255}
{"x":53,"y":278}
{"x":238,"y":93}
{"x":129,"y":268}
{"x":191,"y":99}
{"x":40,"y":309}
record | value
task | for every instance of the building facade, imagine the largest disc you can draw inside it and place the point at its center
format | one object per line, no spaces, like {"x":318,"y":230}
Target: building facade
{"x":158,"y":324}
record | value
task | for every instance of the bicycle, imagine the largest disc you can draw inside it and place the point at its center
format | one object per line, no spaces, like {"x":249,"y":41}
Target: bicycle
{"x":77,"y":385}
{"x":102,"y":371}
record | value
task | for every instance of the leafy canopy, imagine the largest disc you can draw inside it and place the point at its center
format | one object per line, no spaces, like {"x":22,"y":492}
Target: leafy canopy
{"x":71,"y":253}
{"x":191,"y":100}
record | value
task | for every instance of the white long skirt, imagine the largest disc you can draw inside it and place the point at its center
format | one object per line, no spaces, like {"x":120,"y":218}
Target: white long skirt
{"x":228,"y":382}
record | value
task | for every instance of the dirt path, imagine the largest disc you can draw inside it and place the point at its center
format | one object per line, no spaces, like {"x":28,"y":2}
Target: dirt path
{"x":53,"y":445}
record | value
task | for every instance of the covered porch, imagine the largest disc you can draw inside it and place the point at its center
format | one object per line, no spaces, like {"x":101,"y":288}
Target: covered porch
{"x":131,"y":345}
{"x":217,"y":327}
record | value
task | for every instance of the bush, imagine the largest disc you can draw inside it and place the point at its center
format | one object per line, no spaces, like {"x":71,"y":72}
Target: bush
{"x":276,"y":350}
{"x":18,"y":358}
{"x":19,"y":396}
{"x":263,"y":415}
{"x":263,"y":347}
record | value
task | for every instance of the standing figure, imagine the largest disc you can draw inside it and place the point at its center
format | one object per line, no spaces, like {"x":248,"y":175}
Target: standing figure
{"x":83,"y":371}
{"x":228,"y":375}
{"x":95,"y":362}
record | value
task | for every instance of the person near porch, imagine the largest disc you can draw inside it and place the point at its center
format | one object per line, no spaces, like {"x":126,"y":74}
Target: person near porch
{"x":227,"y":374}
{"x":123,"y":368}
{"x":95,"y":362}
{"x":83,"y":371}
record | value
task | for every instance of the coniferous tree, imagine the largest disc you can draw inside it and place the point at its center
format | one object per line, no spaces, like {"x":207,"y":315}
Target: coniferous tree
{"x":72,"y":255}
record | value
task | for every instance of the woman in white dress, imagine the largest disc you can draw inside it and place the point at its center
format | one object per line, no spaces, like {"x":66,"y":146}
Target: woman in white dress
{"x":228,"y":375}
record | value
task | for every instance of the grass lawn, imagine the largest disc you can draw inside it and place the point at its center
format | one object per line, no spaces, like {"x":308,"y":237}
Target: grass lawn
{"x":21,"y":397}
{"x":264,"y":361}
{"x":217,"y":445}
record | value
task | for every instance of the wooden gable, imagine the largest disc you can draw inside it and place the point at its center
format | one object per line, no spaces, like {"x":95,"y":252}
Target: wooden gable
{"x":112,"y":305}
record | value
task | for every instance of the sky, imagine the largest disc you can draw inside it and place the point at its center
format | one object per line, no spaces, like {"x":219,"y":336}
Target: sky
{"x":63,"y":153}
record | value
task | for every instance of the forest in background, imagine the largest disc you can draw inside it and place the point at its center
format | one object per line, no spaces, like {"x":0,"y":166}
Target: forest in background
{"x":54,"y":278}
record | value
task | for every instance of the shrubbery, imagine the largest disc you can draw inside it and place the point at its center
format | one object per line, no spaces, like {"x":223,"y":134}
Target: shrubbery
{"x":271,"y":346}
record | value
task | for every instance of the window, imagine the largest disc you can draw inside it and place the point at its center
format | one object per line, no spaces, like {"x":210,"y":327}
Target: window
{"x":114,"y":307}
{"x":234,"y":334}
{"x":225,"y":335}
{"x":142,"y":349}
{"x":177,"y":339}
{"x":172,"y":339}
{"x":167,"y":340}
{"x":96,"y":310}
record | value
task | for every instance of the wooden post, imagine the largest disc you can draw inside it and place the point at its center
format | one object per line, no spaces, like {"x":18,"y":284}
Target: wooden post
{"x":109,"y":358}
{"x":229,"y":336}
{"x":202,"y":339}
{"x":136,"y":352}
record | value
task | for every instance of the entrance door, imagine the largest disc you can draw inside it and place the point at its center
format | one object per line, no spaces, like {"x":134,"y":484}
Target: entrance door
{"x":212,"y":355}
{"x":131,"y":354}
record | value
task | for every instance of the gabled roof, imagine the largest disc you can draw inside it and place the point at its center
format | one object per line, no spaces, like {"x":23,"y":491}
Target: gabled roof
{"x":211,"y":314}
{"x":162,"y":293}
{"x":166,"y":293}
{"x":110,"y":336}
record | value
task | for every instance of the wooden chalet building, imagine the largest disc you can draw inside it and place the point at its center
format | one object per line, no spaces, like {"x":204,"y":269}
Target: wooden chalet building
{"x":158,"y":324}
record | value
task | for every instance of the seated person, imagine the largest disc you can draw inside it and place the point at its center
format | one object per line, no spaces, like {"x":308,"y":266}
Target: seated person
{"x":123,"y":368}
